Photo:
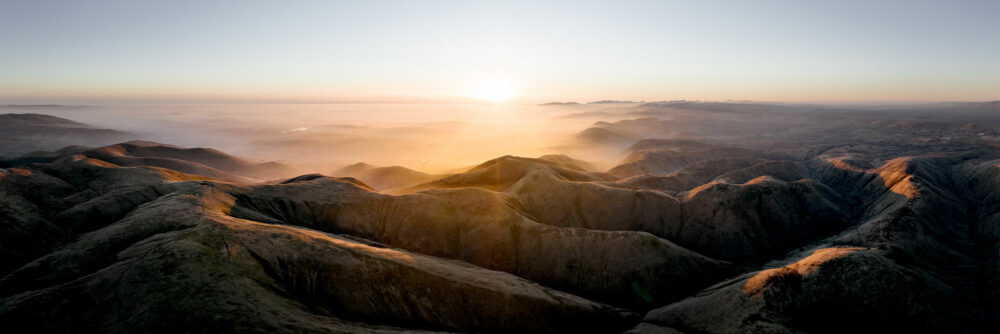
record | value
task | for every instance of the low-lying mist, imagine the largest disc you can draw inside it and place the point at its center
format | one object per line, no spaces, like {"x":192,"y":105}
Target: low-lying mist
{"x":435,"y":138}
{"x":447,"y":138}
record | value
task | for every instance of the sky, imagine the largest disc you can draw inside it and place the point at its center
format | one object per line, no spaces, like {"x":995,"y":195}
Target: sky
{"x":523,"y":51}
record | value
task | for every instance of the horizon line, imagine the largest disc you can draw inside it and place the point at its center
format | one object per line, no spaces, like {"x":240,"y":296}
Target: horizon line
{"x":127,"y":101}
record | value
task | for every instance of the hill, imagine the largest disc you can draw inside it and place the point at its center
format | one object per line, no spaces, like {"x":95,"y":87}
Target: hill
{"x":24,"y":133}
{"x":198,"y":161}
{"x":384,"y":178}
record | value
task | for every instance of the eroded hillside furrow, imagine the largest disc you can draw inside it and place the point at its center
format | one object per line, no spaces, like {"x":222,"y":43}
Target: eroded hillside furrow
{"x":984,"y":250}
{"x":976,"y":182}
{"x":252,"y":277}
{"x":635,"y":269}
{"x":58,"y":203}
{"x":916,"y":244}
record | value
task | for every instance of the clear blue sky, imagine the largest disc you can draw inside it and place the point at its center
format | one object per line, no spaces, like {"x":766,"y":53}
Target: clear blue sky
{"x":283,"y":51}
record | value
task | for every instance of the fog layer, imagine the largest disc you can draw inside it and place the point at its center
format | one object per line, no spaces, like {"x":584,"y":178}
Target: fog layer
{"x":324,"y":137}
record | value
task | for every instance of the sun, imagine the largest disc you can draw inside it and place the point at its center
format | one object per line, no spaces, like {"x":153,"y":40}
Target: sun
{"x":494,"y":90}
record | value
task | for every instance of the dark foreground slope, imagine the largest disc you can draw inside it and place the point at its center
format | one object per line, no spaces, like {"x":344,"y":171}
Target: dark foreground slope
{"x":169,"y":252}
{"x":513,"y":245}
